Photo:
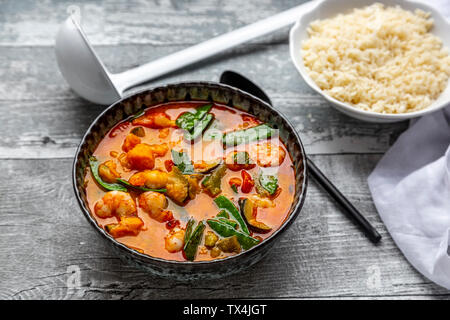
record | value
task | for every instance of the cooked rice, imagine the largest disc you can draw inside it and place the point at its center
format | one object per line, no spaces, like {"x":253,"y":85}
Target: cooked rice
{"x":377,"y":58}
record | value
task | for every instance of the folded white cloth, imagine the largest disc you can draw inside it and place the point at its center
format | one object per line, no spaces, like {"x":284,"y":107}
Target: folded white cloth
{"x":411,"y":189}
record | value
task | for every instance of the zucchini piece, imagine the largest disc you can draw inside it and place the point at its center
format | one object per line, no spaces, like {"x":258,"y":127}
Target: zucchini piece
{"x":226,"y":230}
{"x":191,"y":246}
{"x":138,"y":131}
{"x":212,"y":182}
{"x":248,"y":211}
{"x":230,"y":244}
{"x":93,"y":164}
{"x":260,"y":132}
{"x":224,"y":203}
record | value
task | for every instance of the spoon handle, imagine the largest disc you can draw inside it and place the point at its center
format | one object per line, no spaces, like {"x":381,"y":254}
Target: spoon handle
{"x":209,"y":48}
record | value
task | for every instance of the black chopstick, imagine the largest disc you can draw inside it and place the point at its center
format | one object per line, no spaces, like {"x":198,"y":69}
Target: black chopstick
{"x":350,"y":210}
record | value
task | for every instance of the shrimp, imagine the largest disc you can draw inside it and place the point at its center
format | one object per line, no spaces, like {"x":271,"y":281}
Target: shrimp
{"x":117,"y":203}
{"x":262,"y":202}
{"x":156,"y":120}
{"x":121,"y":205}
{"x":154,"y":204}
{"x":153,"y":179}
{"x":269,"y":154}
{"x":108,"y":172}
{"x":126,"y":226}
{"x":174,"y":240}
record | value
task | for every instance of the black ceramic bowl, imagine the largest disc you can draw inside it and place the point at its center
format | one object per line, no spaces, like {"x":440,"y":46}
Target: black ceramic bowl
{"x":206,"y":91}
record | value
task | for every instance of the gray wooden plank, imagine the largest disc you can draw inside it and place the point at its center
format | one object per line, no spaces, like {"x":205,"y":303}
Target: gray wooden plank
{"x":44,"y":237}
{"x":42,"y":118}
{"x":30,"y":23}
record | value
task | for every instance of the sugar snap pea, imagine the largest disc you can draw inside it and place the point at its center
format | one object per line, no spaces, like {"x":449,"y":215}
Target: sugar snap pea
{"x":225,"y":230}
{"x":230,"y":222}
{"x":224,"y":203}
{"x":260,"y":132}
{"x":189,"y":228}
{"x":191,"y":246}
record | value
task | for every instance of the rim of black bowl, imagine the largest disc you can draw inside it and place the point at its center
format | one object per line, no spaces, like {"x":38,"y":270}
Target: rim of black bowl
{"x":289,"y":220}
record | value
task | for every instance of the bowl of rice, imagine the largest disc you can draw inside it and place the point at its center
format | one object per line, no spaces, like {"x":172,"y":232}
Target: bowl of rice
{"x":383,"y":61}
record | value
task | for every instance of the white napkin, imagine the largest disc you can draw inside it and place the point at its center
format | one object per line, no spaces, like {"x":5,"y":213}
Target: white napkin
{"x":411,"y":190}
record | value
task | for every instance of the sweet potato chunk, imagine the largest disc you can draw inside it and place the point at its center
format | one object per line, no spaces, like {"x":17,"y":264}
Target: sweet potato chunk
{"x":130,"y":142}
{"x":141,"y":157}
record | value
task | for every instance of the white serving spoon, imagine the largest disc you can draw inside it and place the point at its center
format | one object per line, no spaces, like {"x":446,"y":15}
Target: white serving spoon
{"x":86,"y":74}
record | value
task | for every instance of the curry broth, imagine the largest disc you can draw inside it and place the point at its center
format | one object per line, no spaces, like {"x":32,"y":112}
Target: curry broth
{"x":151,"y":238}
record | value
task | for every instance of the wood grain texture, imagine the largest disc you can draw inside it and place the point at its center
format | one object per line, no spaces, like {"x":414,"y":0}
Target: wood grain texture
{"x":31,"y":23}
{"x":321,"y":256}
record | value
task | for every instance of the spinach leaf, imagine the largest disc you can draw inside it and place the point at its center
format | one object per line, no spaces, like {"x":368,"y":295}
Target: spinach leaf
{"x":93,"y":163}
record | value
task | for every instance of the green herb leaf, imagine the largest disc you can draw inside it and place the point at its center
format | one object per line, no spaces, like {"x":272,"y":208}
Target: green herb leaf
{"x":186,"y":121}
{"x":182,"y":161}
{"x":269,"y":182}
{"x":199,"y":128}
{"x":195,"y":123}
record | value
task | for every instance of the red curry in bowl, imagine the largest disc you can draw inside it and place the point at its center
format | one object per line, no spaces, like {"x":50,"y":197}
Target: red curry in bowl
{"x":190,"y":181}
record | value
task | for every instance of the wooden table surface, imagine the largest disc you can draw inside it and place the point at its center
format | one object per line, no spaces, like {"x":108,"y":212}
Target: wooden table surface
{"x":48,"y":249}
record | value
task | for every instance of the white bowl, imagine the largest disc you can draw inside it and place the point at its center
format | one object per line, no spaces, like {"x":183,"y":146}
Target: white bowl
{"x":329,"y":8}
